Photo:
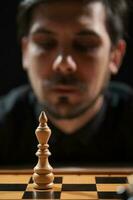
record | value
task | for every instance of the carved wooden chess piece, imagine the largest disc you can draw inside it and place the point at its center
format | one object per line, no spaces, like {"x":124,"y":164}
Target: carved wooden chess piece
{"x":43,"y":176}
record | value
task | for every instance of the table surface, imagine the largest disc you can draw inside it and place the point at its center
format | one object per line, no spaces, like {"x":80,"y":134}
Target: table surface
{"x":69,"y":183}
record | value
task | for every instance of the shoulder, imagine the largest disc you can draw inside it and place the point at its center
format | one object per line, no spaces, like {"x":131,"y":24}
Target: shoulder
{"x":16,"y":120}
{"x":119,"y":101}
{"x":120,"y":93}
{"x":120,"y":88}
{"x":119,"y":115}
{"x":14,"y":99}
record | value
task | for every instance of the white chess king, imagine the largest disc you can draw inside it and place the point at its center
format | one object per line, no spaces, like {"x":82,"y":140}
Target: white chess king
{"x":43,"y":172}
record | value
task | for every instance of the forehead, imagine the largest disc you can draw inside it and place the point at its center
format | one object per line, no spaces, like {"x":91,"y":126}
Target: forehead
{"x":69,"y":11}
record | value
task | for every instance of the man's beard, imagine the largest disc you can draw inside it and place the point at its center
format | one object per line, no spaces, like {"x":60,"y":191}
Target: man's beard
{"x":74,"y":110}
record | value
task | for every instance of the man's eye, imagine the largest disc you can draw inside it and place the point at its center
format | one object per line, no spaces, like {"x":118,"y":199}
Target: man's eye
{"x":47,"y":45}
{"x":84,"y":47}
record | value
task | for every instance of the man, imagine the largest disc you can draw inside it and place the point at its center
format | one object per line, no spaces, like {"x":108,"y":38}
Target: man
{"x":69,"y":50}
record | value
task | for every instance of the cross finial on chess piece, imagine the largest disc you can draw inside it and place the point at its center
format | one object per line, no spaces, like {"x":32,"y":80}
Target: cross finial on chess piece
{"x":43,"y":176}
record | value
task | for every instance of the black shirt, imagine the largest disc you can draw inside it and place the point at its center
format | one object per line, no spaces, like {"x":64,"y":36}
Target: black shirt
{"x":106,"y":140}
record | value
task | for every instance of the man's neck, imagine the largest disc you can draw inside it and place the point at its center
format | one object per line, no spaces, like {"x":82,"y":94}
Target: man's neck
{"x":71,"y":125}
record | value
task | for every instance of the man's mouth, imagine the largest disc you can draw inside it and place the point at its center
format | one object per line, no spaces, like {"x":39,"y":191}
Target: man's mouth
{"x":63,"y":89}
{"x":65,"y":86}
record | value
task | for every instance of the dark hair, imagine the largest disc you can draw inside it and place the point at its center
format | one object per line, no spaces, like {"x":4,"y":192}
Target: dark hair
{"x":116,"y":16}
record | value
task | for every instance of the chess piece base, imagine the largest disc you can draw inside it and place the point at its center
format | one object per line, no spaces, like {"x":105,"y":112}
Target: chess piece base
{"x":43,"y":186}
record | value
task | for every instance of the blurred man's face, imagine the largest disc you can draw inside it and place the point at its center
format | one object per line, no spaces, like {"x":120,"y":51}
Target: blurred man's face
{"x":68,"y":56}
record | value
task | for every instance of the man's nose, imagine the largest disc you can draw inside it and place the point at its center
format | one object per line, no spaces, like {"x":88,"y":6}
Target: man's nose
{"x":64,"y":64}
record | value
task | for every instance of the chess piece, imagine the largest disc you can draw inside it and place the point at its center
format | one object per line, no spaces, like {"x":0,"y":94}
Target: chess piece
{"x":130,"y":187}
{"x":43,"y":176}
{"x":123,"y":192}
{"x":126,"y":192}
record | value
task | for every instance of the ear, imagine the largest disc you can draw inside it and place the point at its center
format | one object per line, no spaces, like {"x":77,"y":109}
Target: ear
{"x":24,"y":48}
{"x":117,"y":55}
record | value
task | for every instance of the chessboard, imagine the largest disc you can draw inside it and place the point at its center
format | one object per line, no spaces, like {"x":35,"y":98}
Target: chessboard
{"x":66,"y":186}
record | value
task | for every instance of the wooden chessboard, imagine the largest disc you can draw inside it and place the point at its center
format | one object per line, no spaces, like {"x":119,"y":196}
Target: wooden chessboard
{"x":66,"y":186}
